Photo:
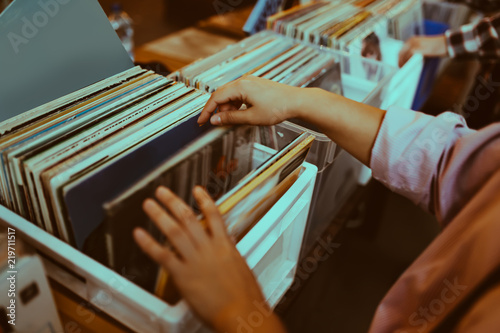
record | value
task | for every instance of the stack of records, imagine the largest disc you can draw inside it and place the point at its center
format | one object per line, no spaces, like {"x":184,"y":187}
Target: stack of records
{"x":336,"y":24}
{"x":322,"y":23}
{"x":81,"y":166}
{"x":405,"y":18}
{"x":249,"y":196}
{"x":267,"y":55}
{"x":452,"y":14}
{"x":51,"y":154}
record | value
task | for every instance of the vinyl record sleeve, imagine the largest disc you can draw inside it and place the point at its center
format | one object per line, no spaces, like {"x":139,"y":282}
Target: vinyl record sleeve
{"x":301,"y":61}
{"x":274,"y":21}
{"x":52,"y":123}
{"x":281,"y":67}
{"x":84,"y":139}
{"x":312,"y":74}
{"x":72,"y":162}
{"x":40,"y":112}
{"x":214,"y":60}
{"x":238,"y":58}
{"x":125,"y":211}
{"x":277,"y":60}
{"x":129,"y":142}
{"x":244,"y":205}
{"x":75,"y":47}
{"x":84,"y":198}
{"x":71,"y":122}
{"x":211,"y":80}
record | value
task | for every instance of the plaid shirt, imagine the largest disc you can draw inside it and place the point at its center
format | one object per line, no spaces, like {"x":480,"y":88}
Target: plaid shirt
{"x":480,"y":39}
{"x":482,"y":5}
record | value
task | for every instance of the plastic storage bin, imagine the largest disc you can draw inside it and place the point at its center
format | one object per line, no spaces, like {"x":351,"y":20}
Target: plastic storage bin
{"x":338,"y":175}
{"x":271,"y":249}
{"x":401,"y":89}
{"x":354,"y":81}
{"x":361,"y":79}
{"x":338,"y":172}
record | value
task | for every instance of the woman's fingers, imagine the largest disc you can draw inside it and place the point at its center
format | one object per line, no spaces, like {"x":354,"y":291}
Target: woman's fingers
{"x":170,"y":228}
{"x":230,"y":93}
{"x":158,"y":253}
{"x":215,"y":222}
{"x":405,"y":55}
{"x":238,"y":117}
{"x":183,"y":213}
{"x":227,"y":107}
{"x":231,"y":106}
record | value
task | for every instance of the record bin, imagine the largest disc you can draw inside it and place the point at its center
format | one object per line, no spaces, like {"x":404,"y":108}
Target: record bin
{"x":338,"y":172}
{"x":271,"y":249}
{"x":346,"y":76}
{"x":385,"y":31}
{"x":337,"y":178}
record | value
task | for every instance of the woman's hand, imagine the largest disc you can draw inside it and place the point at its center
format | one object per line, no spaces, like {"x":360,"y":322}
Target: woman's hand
{"x":206,"y":267}
{"x":267,"y":103}
{"x":352,"y":125}
{"x":428,"y":46}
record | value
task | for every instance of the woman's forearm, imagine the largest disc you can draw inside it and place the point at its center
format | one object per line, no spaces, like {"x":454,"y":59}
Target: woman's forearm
{"x":353,"y":126}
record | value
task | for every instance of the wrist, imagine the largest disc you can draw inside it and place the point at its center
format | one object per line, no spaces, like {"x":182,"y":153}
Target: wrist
{"x":306,"y":99}
{"x":295,"y":103}
{"x":314,"y":102}
{"x":256,"y":317}
{"x":232,"y":317}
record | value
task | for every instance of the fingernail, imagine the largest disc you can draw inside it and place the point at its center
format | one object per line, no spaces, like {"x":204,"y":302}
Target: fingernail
{"x":215,"y":120}
{"x":147,"y":204}
{"x":200,"y":192}
{"x":162,"y":190}
{"x":139,"y":233}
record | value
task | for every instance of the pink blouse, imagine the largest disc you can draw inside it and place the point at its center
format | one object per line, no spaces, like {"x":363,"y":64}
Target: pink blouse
{"x":453,"y":172}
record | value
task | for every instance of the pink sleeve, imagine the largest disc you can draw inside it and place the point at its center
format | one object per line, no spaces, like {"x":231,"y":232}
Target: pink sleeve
{"x":437,"y":162}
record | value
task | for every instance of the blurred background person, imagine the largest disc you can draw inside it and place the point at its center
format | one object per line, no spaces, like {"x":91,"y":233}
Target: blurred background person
{"x":479,"y":40}
{"x":371,"y":49}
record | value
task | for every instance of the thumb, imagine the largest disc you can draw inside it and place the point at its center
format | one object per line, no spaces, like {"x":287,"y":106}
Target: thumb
{"x":404,"y":55}
{"x":237,"y":117}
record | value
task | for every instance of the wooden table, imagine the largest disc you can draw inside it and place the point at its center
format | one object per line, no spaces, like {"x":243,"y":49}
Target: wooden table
{"x":182,"y":48}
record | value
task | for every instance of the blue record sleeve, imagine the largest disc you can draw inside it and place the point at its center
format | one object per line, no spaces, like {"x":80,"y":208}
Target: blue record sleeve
{"x":257,"y":20}
{"x":84,"y":201}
